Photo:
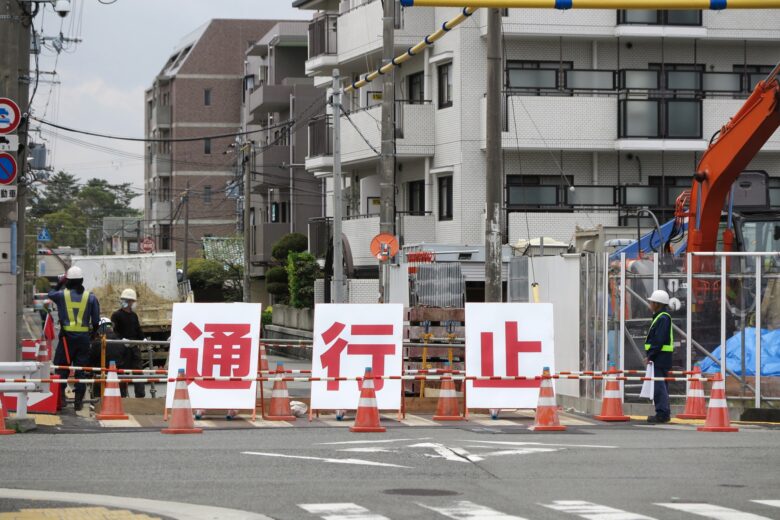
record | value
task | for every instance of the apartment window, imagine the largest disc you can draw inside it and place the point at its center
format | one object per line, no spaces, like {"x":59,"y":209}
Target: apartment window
{"x":165,"y":237}
{"x":416,"y":86}
{"x":445,"y":198}
{"x":164,"y":193}
{"x":537,"y":75}
{"x":445,"y":85}
{"x":416,"y":194}
{"x":207,"y":146}
{"x":752,"y":74}
{"x":656,"y":118}
{"x":207,"y":97}
{"x":253,"y":231}
{"x":207,"y":194}
{"x":688,"y":17}
{"x":679,"y":76}
{"x":278,"y":212}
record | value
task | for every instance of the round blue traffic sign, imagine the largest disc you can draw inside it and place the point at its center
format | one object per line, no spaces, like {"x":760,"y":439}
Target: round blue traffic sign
{"x":10,"y":116}
{"x":7,"y":168}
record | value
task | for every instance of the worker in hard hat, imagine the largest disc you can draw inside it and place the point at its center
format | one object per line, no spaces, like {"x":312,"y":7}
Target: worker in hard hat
{"x":659,"y":349}
{"x":79,"y":316}
{"x":127,"y":326}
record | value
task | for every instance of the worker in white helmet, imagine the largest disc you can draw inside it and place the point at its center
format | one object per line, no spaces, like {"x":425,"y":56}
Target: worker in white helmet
{"x":126,"y":326}
{"x":79,"y":316}
{"x":659,"y":349}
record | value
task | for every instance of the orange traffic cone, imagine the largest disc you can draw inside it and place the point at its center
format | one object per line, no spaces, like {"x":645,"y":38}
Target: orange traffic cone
{"x":718,"y":411}
{"x":447,"y":407}
{"x":181,"y":416}
{"x":695,"y":405}
{"x":280,"y":399}
{"x":547,"y":409}
{"x":367,"y":416}
{"x":111,"y":405}
{"x":612,"y":403}
{"x":263,"y":359}
{"x":3,"y":429}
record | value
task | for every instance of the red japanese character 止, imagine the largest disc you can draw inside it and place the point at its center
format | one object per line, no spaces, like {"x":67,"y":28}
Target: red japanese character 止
{"x":226,"y":347}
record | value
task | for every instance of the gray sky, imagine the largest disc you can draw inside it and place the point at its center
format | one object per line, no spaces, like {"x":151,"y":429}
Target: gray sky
{"x":103,"y":79}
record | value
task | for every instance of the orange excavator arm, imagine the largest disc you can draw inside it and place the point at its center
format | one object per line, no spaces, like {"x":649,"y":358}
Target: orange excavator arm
{"x":728,"y":155}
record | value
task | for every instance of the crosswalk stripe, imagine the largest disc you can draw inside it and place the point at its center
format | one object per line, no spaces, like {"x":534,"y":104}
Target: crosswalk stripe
{"x":341,"y":511}
{"x":773,"y":503}
{"x":713,"y":511}
{"x":593,"y":511}
{"x":465,"y":510}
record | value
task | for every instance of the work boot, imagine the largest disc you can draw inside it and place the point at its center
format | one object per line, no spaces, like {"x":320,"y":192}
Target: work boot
{"x":654,"y":419}
{"x":78,"y":405}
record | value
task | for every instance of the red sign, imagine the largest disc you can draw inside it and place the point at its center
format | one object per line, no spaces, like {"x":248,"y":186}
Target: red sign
{"x":147,"y":245}
{"x":10,"y":116}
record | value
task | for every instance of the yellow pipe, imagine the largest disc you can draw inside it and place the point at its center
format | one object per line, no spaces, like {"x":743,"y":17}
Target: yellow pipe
{"x":416,"y":49}
{"x":601,"y":4}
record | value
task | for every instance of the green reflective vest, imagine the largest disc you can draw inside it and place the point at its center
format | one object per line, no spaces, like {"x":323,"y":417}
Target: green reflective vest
{"x":669,"y":346}
{"x":76,"y":312}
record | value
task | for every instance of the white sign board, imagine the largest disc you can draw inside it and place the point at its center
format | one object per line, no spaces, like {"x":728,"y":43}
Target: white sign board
{"x":348,"y":338}
{"x":507,"y":339}
{"x":216,"y":340}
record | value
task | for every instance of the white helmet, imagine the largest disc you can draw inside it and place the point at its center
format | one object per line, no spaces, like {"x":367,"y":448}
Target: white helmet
{"x":75,"y":273}
{"x":661,"y":297}
{"x":128,"y":294}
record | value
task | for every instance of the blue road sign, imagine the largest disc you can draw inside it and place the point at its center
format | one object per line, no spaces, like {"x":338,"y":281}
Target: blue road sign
{"x":44,"y":235}
{"x":7,"y":168}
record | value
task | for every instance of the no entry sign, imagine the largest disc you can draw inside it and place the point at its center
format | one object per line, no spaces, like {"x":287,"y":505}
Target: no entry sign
{"x":10,"y":116}
{"x":7,"y":169}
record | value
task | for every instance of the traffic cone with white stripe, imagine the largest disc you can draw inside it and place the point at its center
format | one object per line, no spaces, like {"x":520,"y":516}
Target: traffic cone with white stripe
{"x":3,"y":429}
{"x":367,"y":416}
{"x":695,"y":405}
{"x":111,"y":404}
{"x":718,"y":410}
{"x":181,"y":414}
{"x":280,"y":399}
{"x":547,"y":409}
{"x":263,"y":359}
{"x":447,"y":406}
{"x":612,"y":403}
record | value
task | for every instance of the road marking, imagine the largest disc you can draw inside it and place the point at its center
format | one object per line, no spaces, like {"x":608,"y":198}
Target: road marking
{"x":177,"y":510}
{"x":465,"y":510}
{"x":416,"y":420}
{"x":259,"y":422}
{"x":357,"y":462}
{"x":593,"y":511}
{"x":772,"y":503}
{"x":451,"y":454}
{"x":370,"y":449}
{"x":712,"y":511}
{"x":381,"y":441}
{"x":130,"y":422}
{"x":512,"y":443}
{"x":339,"y":511}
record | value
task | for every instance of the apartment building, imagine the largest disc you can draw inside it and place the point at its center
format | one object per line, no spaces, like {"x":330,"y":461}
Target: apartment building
{"x":604,"y":112}
{"x":279,"y":103}
{"x":197,"y":93}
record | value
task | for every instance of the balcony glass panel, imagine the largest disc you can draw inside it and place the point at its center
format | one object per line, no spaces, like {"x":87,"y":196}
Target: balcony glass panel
{"x":683,"y":80}
{"x":683,"y":17}
{"x":533,"y":196}
{"x":774,"y":197}
{"x":640,"y":16}
{"x":683,"y":118}
{"x":591,"y":196}
{"x":590,"y":79}
{"x":533,"y":78}
{"x":753,"y":79}
{"x":721,"y":82}
{"x":640,"y":79}
{"x":639,"y":119}
{"x":641,"y":196}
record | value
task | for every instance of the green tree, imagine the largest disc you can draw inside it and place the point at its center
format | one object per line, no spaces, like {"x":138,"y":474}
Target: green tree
{"x":302,"y":271}
{"x":60,"y":191}
{"x":295,"y":242}
{"x":276,"y":283}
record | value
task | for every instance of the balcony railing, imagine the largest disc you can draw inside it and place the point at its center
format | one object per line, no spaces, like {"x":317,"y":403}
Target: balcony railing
{"x":323,"y":36}
{"x":320,"y":142}
{"x":655,"y":17}
{"x":555,"y":197}
{"x":660,"y":119}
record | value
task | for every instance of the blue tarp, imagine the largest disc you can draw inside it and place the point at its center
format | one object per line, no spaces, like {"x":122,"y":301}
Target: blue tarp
{"x":770,"y":354}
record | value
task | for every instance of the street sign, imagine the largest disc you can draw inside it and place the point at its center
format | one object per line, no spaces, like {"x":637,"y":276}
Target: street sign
{"x":147,"y":245}
{"x":10,"y":116}
{"x":7,"y":168}
{"x":384,"y":246}
{"x":44,"y":235}
{"x":9,"y":143}
{"x":8,"y":194}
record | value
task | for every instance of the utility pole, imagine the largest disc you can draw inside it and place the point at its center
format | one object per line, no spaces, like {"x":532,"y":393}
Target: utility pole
{"x":137,"y":237}
{"x":15,"y":36}
{"x":290,"y":137}
{"x":493,"y":175}
{"x":247,"y":166}
{"x":338,"y":207}
{"x":186,"y":229}
{"x":387,"y":174}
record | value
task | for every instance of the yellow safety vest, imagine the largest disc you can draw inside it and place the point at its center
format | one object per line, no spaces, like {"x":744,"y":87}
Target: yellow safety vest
{"x":666,"y":347}
{"x":76,"y":313}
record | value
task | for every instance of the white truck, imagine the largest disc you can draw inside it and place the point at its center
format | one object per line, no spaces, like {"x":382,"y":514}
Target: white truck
{"x":153,"y":276}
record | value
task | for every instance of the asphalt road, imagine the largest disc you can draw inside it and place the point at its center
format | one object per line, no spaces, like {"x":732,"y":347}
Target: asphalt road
{"x":616,"y":473}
